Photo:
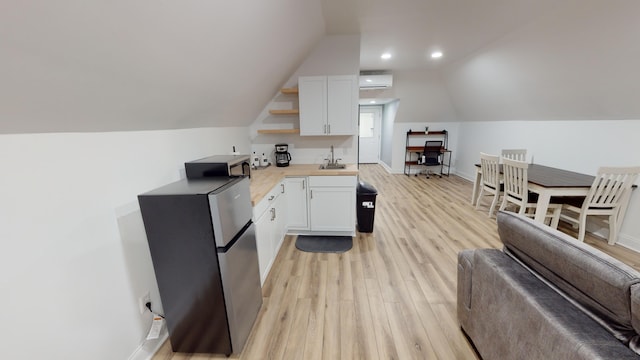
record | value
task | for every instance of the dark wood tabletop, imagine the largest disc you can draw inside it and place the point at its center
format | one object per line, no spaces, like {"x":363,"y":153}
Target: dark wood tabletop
{"x":553,"y":177}
{"x":547,"y":176}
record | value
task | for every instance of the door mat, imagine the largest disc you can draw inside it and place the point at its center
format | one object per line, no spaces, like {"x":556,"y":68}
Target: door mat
{"x":324,"y":244}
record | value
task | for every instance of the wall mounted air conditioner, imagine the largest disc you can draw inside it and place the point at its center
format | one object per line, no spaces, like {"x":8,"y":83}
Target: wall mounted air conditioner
{"x":375,"y":80}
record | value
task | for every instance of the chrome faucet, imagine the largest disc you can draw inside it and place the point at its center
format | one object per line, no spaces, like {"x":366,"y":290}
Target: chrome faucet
{"x":332,"y":161}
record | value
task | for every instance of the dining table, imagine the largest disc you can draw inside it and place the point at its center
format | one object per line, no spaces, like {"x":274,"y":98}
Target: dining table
{"x":547,"y":182}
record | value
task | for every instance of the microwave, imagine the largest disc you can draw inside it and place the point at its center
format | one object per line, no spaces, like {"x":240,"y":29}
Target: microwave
{"x":219,"y":165}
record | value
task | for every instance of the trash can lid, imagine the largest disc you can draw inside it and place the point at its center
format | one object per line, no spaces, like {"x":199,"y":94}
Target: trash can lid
{"x":366,"y":188}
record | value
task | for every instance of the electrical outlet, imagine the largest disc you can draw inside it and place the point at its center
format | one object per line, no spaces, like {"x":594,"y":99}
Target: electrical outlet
{"x":142,"y":302}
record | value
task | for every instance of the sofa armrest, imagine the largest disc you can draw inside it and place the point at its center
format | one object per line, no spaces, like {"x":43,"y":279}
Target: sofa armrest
{"x":465,"y":272}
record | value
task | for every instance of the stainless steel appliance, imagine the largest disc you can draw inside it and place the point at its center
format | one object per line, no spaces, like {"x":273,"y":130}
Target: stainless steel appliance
{"x":203,"y":247}
{"x":219,"y":165}
{"x":282,"y":155}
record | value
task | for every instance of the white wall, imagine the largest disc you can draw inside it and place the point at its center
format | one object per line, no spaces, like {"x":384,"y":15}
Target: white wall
{"x":333,"y":55}
{"x":74,"y":257}
{"x":580,"y":146}
{"x":386,"y":141}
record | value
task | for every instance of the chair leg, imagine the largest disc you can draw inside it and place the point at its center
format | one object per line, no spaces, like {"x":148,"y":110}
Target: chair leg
{"x":582,"y":226}
{"x":613,"y":229}
{"x":556,"y":217}
{"x":479,"y":198}
{"x":493,"y":204}
{"x":503,"y":205}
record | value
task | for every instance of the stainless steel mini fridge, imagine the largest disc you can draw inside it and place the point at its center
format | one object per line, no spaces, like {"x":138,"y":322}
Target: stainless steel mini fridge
{"x":203,"y":248}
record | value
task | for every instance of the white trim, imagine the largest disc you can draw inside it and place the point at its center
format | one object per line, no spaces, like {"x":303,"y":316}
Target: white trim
{"x":629,"y":242}
{"x":148,"y":348}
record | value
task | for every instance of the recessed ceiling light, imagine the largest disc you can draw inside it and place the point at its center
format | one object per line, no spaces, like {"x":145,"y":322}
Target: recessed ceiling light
{"x":372,"y":102}
{"x":436,"y":54}
{"x":368,"y":80}
{"x":386,"y":56}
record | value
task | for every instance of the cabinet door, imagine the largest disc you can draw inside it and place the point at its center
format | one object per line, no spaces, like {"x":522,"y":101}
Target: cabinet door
{"x":279,"y":224}
{"x":296,"y":203}
{"x":264,"y":242}
{"x":312,"y":97}
{"x":342,"y":105}
{"x":332,"y":208}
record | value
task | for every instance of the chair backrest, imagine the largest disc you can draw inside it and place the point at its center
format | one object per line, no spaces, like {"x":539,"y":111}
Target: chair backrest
{"x":516,"y":186}
{"x":610,"y":186}
{"x":431,"y":152}
{"x":490,"y":167}
{"x":515,"y":154}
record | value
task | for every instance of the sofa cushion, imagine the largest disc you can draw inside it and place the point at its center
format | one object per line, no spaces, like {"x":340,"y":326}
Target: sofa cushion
{"x":514,"y":315}
{"x":592,"y":280}
{"x":634,"y":344}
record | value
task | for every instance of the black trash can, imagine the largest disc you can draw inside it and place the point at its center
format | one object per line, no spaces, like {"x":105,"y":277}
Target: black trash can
{"x":366,"y":204}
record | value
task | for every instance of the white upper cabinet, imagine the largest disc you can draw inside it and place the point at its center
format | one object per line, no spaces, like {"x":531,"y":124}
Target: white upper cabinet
{"x":328,"y":105}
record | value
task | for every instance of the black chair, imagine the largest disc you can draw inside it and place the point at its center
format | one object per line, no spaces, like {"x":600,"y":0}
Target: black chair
{"x":431,"y":155}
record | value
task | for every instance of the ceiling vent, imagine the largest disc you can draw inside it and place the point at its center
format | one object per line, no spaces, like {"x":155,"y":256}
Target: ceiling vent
{"x":372,"y":80}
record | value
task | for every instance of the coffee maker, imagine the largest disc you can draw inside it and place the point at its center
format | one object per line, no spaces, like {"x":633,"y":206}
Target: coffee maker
{"x":282,"y":155}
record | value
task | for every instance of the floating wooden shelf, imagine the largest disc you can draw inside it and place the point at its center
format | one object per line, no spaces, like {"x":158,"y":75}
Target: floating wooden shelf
{"x":291,"y":91}
{"x":279,"y":131}
{"x":285,"y":112}
{"x":415,"y":148}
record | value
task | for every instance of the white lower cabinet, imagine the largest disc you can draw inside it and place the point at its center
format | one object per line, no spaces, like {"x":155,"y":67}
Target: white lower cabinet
{"x":321,"y":205}
{"x":303,"y":205}
{"x":332,"y":203}
{"x":270,"y":220}
{"x":296,"y":200}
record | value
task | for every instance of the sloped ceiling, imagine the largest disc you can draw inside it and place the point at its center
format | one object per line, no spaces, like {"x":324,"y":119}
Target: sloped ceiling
{"x":504,"y":59}
{"x":73,"y":66}
{"x":579,"y":62}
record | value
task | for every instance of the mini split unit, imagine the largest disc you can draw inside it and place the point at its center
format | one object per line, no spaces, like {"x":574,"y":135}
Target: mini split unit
{"x":371,"y":80}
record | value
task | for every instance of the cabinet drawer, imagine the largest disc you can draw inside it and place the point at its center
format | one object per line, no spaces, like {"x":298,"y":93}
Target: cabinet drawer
{"x":332,"y":181}
{"x":268,"y":199}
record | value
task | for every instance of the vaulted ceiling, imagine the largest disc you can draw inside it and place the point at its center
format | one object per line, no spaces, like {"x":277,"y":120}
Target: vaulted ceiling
{"x":73,"y":66}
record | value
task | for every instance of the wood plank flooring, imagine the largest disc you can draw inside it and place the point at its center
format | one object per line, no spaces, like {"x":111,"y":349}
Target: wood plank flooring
{"x":393,"y":296}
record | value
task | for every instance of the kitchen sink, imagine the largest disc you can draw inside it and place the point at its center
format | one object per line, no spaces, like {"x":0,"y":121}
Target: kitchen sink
{"x":332,"y":166}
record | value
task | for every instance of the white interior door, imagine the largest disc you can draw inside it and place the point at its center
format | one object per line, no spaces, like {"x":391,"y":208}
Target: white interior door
{"x":370,"y":122}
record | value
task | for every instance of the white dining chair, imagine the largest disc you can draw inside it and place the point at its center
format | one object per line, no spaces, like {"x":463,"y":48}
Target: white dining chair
{"x":514,"y":154}
{"x":490,"y":183}
{"x":608,"y":196}
{"x":516,"y":191}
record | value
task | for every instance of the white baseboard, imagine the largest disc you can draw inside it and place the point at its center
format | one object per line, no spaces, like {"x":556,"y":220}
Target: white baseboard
{"x":148,"y":348}
{"x":386,"y":167}
{"x":629,"y":242}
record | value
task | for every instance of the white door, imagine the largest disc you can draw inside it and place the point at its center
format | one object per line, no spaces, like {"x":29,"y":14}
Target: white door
{"x":369,"y":146}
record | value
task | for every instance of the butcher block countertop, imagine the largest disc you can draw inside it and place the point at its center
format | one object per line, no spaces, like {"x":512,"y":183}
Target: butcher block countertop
{"x":263,"y":180}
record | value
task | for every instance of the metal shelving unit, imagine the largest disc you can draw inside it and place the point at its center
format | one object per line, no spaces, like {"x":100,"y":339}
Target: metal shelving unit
{"x":413,"y":150}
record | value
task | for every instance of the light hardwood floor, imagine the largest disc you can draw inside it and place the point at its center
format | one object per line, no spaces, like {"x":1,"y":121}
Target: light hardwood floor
{"x":393,"y":296}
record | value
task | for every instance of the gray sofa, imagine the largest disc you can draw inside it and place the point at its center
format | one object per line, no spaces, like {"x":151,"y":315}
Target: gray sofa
{"x":546,"y":295}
